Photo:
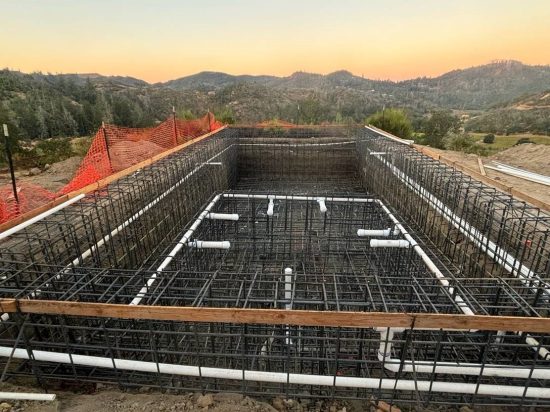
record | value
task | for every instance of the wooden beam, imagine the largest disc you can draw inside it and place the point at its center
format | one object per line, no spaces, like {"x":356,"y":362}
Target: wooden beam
{"x":481,"y":167}
{"x":103,"y":182}
{"x":279,"y":316}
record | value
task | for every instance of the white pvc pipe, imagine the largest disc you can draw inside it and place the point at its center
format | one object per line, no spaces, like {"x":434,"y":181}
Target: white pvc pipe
{"x":270,"y":207}
{"x":209,"y":244}
{"x":400,"y":243}
{"x":279,"y":377}
{"x":27,"y":396}
{"x":536,"y":177}
{"x":39,"y":217}
{"x":373,"y":232}
{"x":535,"y":345}
{"x":533,"y":178}
{"x":222,"y":216}
{"x":183,"y":241}
{"x":298,"y":145}
{"x":451,"y":368}
{"x":300,"y":198}
{"x":288,"y":288}
{"x":288,"y":298}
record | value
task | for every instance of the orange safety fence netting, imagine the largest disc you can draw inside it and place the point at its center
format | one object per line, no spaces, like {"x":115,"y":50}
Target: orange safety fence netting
{"x":113,"y":149}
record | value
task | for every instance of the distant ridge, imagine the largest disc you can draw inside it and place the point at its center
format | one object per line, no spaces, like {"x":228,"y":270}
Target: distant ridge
{"x":299,"y":97}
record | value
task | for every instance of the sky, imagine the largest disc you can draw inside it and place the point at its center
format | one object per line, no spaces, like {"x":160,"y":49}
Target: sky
{"x":159,"y":40}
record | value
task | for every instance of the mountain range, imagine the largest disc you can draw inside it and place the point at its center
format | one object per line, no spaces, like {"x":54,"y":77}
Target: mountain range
{"x":309,"y":97}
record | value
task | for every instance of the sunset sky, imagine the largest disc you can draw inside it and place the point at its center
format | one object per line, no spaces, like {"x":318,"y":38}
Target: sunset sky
{"x":159,"y":40}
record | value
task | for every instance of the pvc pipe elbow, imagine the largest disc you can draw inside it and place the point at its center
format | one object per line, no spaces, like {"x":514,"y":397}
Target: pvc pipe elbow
{"x":270,"y":207}
{"x":322,"y":204}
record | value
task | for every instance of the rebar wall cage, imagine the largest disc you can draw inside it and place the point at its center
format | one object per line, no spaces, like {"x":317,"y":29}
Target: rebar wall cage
{"x":313,"y":262}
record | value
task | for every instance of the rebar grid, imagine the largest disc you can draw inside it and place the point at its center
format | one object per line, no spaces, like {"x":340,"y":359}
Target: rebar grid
{"x":83,"y":254}
{"x":483,"y":230}
{"x":323,"y":158}
{"x":123,"y":224}
{"x":373,"y":289}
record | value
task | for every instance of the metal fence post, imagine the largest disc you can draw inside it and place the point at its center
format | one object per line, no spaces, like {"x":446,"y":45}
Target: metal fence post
{"x":10,"y":162}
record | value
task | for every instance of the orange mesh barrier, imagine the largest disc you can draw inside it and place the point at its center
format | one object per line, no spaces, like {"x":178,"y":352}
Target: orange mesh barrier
{"x":30,"y":197}
{"x":113,"y":149}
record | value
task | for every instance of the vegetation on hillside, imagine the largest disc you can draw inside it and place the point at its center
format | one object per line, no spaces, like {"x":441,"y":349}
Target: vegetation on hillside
{"x":499,"y":98}
{"x":394,"y":121}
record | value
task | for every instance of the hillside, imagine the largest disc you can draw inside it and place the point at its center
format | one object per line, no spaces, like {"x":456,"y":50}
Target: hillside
{"x":43,"y":105}
{"x":484,"y":86}
{"x":474,"y":88}
{"x":530,"y":112}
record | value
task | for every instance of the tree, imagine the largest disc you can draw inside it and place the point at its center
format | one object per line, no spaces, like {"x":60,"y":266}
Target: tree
{"x":394,"y":121}
{"x":489,"y":138}
{"x":440,"y":124}
{"x":225,"y":116}
{"x":186,"y":114}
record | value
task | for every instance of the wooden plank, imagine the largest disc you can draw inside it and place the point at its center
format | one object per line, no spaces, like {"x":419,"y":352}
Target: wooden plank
{"x":279,"y":316}
{"x":103,"y":182}
{"x":481,"y":167}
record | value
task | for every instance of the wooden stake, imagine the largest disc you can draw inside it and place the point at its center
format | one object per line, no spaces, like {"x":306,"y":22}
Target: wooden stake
{"x":481,"y":168}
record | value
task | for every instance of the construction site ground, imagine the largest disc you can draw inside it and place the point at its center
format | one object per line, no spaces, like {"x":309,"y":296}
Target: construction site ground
{"x":110,"y":398}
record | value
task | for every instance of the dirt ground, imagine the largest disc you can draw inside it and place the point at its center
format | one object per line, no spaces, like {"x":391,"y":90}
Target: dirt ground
{"x":53,"y":178}
{"x":532,"y":157}
{"x":107,"y":398}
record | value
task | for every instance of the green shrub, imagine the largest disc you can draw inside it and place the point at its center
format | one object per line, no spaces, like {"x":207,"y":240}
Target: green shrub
{"x":81,"y":145}
{"x":54,"y":150}
{"x":394,"y":121}
{"x":463,"y":142}
{"x":489,"y":138}
{"x":44,"y":152}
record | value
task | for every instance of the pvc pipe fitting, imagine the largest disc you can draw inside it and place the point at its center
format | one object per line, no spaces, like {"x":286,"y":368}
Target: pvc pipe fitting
{"x":209,"y":244}
{"x":270,"y":207}
{"x":288,"y":287}
{"x":389,"y":243}
{"x":27,"y":396}
{"x":373,"y":232}
{"x":322,"y":204}
{"x":222,"y":216}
